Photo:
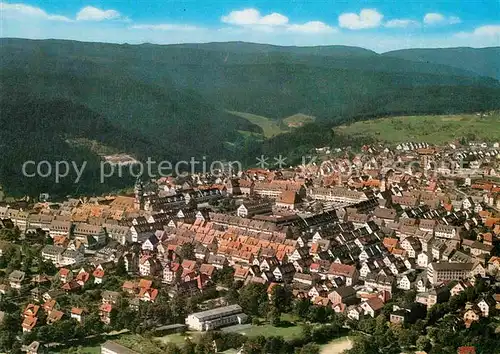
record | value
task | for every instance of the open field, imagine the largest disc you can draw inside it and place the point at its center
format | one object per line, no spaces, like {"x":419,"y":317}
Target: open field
{"x":269,"y":126}
{"x":272,"y":127}
{"x":298,"y":120}
{"x":266,"y":330}
{"x":178,"y":338}
{"x":82,"y":350}
{"x":429,"y":129}
{"x":337,"y":346}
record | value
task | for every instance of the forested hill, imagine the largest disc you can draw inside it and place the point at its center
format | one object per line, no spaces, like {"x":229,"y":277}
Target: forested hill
{"x":173,"y":100}
{"x":482,"y":61}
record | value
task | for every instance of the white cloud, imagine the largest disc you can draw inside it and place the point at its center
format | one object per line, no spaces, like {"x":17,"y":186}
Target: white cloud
{"x":488,"y":30}
{"x":253,"y":17}
{"x":367,"y":18}
{"x":311,"y":27}
{"x":274,"y":19}
{"x":23,"y":11}
{"x":401,"y":23}
{"x":90,"y":13}
{"x":166,"y":27}
{"x":434,"y":18}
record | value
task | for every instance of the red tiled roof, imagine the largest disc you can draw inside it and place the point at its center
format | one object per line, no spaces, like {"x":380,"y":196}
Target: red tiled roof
{"x":466,"y":350}
{"x":54,"y":316}
{"x":76,"y":310}
{"x":83,"y":277}
{"x":375,"y":303}
{"x":49,"y":305}
{"x":98,"y":273}
{"x":71,"y":286}
{"x":145,"y":284}
{"x":31,"y":310}
{"x":29,"y":322}
{"x":64,"y":272}
{"x":341,"y":269}
{"x":207,"y":269}
{"x":129,"y":285}
{"x":287,"y":197}
{"x":492,"y":221}
{"x":153,"y":293}
{"x":271,"y":287}
{"x":390,"y":243}
{"x":106,"y":308}
{"x":188,"y":264}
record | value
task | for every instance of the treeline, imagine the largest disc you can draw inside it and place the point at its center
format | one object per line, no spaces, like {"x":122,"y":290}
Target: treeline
{"x":170,"y":102}
{"x":440,"y":330}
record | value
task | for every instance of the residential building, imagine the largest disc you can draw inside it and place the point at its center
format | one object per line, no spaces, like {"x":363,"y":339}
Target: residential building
{"x":216,"y":318}
{"x":445,"y":271}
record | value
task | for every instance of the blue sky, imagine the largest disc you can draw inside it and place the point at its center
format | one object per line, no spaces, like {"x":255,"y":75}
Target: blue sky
{"x":378,"y":25}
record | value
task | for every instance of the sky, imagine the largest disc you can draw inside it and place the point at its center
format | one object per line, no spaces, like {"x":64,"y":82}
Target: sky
{"x":380,"y":25}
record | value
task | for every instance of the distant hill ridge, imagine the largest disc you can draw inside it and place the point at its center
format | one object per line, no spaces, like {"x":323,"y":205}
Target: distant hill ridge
{"x":483,"y":61}
{"x":176,"y":99}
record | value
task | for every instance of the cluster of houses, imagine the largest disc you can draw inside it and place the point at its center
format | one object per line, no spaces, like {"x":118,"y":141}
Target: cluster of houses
{"x":345,"y":234}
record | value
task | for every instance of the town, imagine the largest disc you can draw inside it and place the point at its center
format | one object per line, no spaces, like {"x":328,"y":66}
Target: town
{"x":393,"y":246}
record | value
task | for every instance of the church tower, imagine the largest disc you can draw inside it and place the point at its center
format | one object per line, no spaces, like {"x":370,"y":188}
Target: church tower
{"x":139,"y":195}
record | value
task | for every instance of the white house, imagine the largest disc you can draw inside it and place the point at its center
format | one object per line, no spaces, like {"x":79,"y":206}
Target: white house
{"x":423,"y":259}
{"x":403,"y":282}
{"x":216,"y":318}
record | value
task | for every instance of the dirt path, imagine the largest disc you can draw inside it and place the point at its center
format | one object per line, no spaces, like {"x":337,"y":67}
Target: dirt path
{"x":337,"y":346}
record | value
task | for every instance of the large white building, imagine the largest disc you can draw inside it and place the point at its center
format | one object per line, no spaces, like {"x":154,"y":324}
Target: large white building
{"x":216,"y":318}
{"x":111,"y":347}
{"x":445,"y":271}
{"x":337,"y":195}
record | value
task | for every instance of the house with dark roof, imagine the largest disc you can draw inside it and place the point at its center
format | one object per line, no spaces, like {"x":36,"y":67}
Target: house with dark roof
{"x":16,"y":279}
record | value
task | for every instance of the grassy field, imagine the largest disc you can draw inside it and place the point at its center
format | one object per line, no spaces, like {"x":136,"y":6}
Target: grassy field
{"x":81,"y":350}
{"x":267,"y":331}
{"x":298,"y":120}
{"x":337,"y":346}
{"x":269,"y":126}
{"x":178,"y":338}
{"x":272,"y":127}
{"x":430,"y":129}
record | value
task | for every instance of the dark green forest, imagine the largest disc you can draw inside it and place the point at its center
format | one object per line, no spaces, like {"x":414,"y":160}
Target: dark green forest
{"x":171,"y":101}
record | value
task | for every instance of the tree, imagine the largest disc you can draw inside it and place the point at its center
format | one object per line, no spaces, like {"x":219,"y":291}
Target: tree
{"x":309,"y":348}
{"x":224,"y":276}
{"x":254,"y":345}
{"x":46,"y":267}
{"x":171,"y":348}
{"x":10,"y":235}
{"x":189,"y":347}
{"x":281,"y":298}
{"x":187,"y":251}
{"x":120,"y":269}
{"x":320,"y":314}
{"x":274,"y":345}
{"x":307,"y":332}
{"x":7,"y":340}
{"x":252,"y":297}
{"x":363,"y":345}
{"x":405,"y":338}
{"x":274,"y":316}
{"x":178,"y":308}
{"x":301,"y":308}
{"x":380,"y":325}
{"x":27,"y":263}
{"x":232,"y":296}
{"x":367,"y":325}
{"x":92,"y":324}
{"x":423,"y":343}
